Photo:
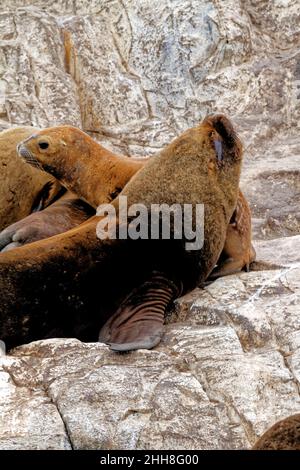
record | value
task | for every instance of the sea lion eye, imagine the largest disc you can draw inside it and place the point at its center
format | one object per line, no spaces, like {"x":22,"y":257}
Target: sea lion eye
{"x":43,"y":145}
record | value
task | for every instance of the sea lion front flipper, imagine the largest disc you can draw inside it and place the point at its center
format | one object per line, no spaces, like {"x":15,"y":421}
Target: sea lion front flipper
{"x":233,"y":265}
{"x":62,"y":215}
{"x":229,"y":266}
{"x":138,"y":322}
{"x":50,"y":192}
{"x":11,"y":246}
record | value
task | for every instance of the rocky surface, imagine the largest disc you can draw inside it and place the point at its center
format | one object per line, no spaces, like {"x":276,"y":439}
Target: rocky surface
{"x":228,"y":367}
{"x":134,"y":74}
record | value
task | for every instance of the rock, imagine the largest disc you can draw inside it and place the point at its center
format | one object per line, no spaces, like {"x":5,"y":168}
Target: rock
{"x":36,"y":90}
{"x":134,"y":75}
{"x":223,"y":374}
{"x":287,"y":250}
{"x":29,"y":418}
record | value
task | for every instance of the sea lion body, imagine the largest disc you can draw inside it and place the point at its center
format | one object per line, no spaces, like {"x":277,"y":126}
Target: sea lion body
{"x":81,"y":282}
{"x":68,"y":212}
{"x":23,"y":189}
{"x":283,"y":435}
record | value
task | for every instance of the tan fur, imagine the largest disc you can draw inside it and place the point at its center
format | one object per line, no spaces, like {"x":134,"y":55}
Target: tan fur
{"x":20,"y":184}
{"x":52,"y":283}
{"x":238,"y":251}
{"x":97,"y":176}
{"x":89,"y":170}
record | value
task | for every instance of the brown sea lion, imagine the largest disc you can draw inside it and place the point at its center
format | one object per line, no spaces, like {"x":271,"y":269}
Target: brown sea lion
{"x":89,"y":170}
{"x":75,"y":284}
{"x":67,"y":213}
{"x":23,"y":189}
{"x":62,"y":215}
{"x":238,"y":252}
{"x":283,"y":435}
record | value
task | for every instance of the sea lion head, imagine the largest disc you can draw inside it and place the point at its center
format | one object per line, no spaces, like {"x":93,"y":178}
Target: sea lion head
{"x":227,"y":145}
{"x":55,"y":150}
{"x":220,"y":151}
{"x":224,"y":155}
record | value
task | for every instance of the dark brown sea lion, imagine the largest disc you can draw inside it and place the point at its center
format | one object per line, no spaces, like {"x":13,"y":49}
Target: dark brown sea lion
{"x":62,"y":215}
{"x":93,"y":184}
{"x":283,"y":435}
{"x":23,"y":189}
{"x":74,"y":283}
{"x":69,"y":211}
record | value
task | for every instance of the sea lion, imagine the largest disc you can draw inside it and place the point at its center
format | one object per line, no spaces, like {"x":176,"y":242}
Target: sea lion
{"x":23,"y":189}
{"x":69,"y":212}
{"x":121,"y":287}
{"x":76,"y":160}
{"x":283,"y":435}
{"x":62,"y":215}
{"x":238,"y":252}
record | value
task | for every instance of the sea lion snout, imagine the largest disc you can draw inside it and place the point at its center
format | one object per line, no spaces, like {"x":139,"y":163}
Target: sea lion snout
{"x":23,"y":151}
{"x":27,"y":156}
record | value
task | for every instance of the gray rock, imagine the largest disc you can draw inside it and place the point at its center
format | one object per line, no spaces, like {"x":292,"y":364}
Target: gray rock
{"x":224,"y":372}
{"x":134,"y":75}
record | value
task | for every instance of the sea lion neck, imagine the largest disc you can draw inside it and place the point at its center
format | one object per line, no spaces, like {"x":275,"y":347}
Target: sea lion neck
{"x":98,"y":175}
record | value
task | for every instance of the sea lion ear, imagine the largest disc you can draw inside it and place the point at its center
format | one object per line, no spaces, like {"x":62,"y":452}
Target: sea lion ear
{"x":224,"y":128}
{"x":218,"y":149}
{"x":226,"y":141}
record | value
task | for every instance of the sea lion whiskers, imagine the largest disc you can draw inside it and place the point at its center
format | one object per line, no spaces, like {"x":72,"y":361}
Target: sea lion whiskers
{"x":27,"y":156}
{"x":79,"y":163}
